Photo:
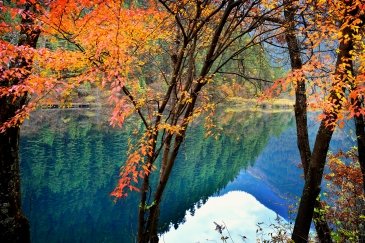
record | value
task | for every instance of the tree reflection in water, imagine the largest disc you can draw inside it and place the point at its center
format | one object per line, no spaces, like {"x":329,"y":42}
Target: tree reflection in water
{"x":70,"y":164}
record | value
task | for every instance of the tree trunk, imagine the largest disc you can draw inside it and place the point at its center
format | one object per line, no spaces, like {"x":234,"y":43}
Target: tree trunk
{"x":150,"y":234}
{"x":300,"y":110}
{"x":360,"y":135}
{"x":318,"y":159}
{"x":14,"y":227}
{"x":142,"y":209}
{"x":312,"y":184}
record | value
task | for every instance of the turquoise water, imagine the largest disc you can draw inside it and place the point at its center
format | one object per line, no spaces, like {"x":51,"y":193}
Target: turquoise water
{"x":70,"y":163}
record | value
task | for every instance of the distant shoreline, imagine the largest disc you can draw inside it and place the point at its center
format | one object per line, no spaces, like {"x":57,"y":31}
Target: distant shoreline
{"x":238,"y":104}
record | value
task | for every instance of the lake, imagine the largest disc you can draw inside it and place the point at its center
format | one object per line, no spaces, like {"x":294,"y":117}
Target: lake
{"x":244,"y":179}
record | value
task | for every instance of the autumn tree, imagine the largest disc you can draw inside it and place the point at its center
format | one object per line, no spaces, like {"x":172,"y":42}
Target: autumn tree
{"x":183,"y":43}
{"x":343,"y":77}
{"x":300,"y":108}
{"x":332,"y":75}
{"x":202,"y":33}
{"x":23,"y":75}
{"x":16,"y":57}
{"x":346,"y":199}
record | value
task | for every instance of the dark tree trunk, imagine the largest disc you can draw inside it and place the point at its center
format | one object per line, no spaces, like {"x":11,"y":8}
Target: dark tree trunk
{"x":182,"y":112}
{"x":143,"y":232}
{"x":150,"y":233}
{"x":141,"y":237}
{"x":360,"y":135}
{"x":312,"y":184}
{"x":300,"y":109}
{"x":318,"y":159}
{"x":14,"y":227}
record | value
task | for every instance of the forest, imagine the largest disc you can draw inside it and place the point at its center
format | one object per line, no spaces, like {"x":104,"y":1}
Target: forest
{"x":132,"y":116}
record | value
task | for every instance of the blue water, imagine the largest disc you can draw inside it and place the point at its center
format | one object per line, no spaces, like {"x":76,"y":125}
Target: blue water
{"x":70,"y":163}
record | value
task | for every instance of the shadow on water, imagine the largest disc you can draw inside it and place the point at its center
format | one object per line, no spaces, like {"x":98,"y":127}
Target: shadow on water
{"x":70,"y":163}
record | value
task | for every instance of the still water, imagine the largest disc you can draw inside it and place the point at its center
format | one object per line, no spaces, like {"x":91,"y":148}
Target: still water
{"x":246,"y":176}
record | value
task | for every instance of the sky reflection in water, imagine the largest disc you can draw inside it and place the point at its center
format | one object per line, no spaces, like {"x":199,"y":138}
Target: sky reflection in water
{"x":238,"y":210}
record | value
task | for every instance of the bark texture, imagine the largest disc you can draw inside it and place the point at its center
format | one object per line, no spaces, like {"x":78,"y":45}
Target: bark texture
{"x":360,"y":135}
{"x":312,"y":184}
{"x":14,"y":226}
{"x":300,"y":110}
{"x":318,"y":158}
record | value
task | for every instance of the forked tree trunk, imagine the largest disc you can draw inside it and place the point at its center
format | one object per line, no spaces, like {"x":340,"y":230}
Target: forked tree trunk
{"x":300,"y":110}
{"x":182,"y":113}
{"x":314,"y":175}
{"x":312,"y":184}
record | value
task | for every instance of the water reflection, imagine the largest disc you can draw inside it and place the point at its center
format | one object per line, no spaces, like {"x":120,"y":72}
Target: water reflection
{"x":239,"y":211}
{"x":272,"y":185}
{"x":70,"y":165}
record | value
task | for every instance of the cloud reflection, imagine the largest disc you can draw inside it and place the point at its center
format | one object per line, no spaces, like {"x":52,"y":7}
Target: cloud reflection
{"x":240,"y":212}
